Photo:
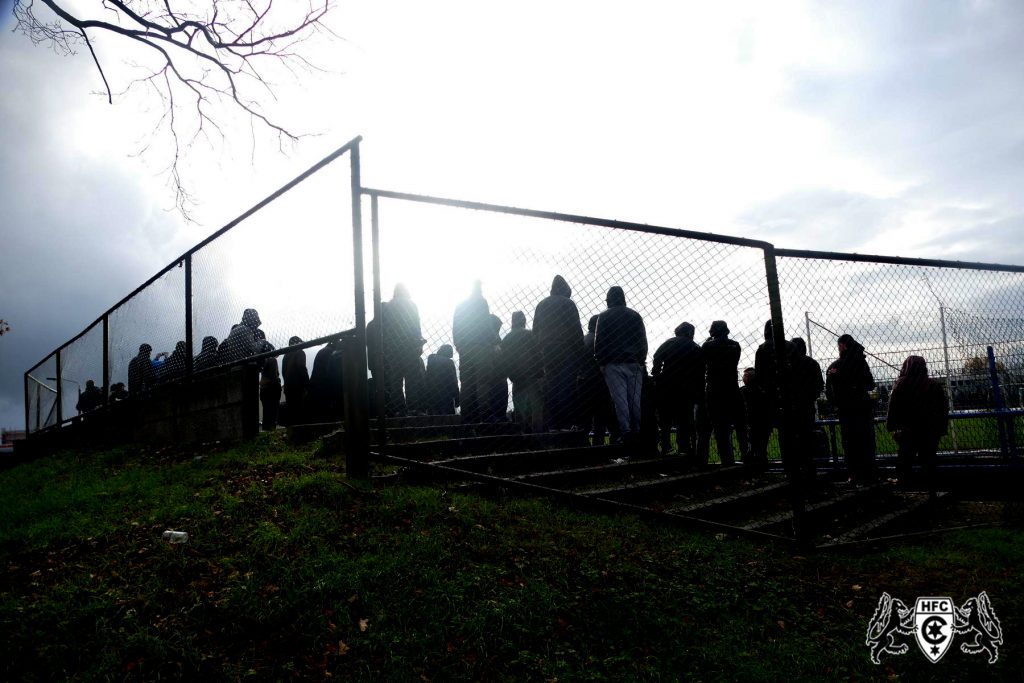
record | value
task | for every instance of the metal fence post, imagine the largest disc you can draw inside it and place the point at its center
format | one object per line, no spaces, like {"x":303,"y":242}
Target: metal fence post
{"x":60,"y":392}
{"x":357,"y":424}
{"x":28,"y":407}
{"x":106,"y":359}
{"x":791,"y":459}
{"x":188,"y":315}
{"x":1006,"y":440}
{"x":378,"y":381}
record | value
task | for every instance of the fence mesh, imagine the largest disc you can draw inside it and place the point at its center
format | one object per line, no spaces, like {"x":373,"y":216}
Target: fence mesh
{"x":155,"y":316}
{"x":291,"y":261}
{"x":437,"y":252}
{"x":81,"y":362}
{"x":42,"y":395}
{"x":948,"y":316}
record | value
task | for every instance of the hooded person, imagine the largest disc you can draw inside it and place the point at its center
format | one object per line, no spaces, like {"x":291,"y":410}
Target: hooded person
{"x":678,"y":373}
{"x":402,"y":349}
{"x":620,"y":347}
{"x":496,"y":404}
{"x":207,"y":357}
{"x":804,"y":387}
{"x":141,"y":377}
{"x":519,"y":359}
{"x":241,"y":342}
{"x":324,"y":398}
{"x":918,"y":418}
{"x":174,"y":368}
{"x":441,"y":383}
{"x":847,"y":386}
{"x":559,"y":336}
{"x":295,"y":375}
{"x":723,"y":402}
{"x":473,"y":334}
{"x":768,"y":376}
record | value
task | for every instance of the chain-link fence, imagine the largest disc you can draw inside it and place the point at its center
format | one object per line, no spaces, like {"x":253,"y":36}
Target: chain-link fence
{"x":290,"y":259}
{"x":948,"y":313}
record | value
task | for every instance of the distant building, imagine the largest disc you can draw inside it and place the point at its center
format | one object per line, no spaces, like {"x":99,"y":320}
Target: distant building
{"x":7,"y":439}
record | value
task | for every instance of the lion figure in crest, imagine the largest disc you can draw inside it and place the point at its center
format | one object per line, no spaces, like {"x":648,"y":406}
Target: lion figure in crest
{"x":892,"y":617}
{"x":978,"y":618}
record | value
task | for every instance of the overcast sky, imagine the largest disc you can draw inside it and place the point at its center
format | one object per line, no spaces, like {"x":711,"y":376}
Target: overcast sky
{"x":893,"y":128}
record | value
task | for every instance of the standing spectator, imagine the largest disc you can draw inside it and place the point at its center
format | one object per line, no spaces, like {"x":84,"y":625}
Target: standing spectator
{"x":270,"y":383}
{"x":805,"y":387}
{"x":678,"y":379}
{"x":918,"y":418}
{"x":296,"y":382}
{"x":757,"y":421}
{"x":173,"y":368}
{"x":241,"y":342}
{"x":620,"y":347}
{"x":117,"y":392}
{"x":207,"y":357}
{"x":596,"y":403}
{"x":441,"y":384}
{"x":496,"y":403}
{"x":473,"y":336}
{"x":90,"y":399}
{"x":519,"y":355}
{"x":722,"y":393}
{"x":559,"y":335}
{"x":402,"y":348}
{"x":324,"y":398}
{"x":141,"y":377}
{"x":847,"y":385}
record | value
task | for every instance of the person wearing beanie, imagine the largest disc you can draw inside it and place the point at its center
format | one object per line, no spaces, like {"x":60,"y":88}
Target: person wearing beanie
{"x":620,"y":347}
{"x":723,"y":401}
{"x":847,"y":385}
{"x":678,"y":374}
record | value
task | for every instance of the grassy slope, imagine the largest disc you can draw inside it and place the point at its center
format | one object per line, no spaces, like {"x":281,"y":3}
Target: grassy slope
{"x":292,"y":572}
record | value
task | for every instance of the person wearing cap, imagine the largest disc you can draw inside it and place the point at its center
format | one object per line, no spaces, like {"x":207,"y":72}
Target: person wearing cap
{"x":723,"y":402}
{"x":620,"y":347}
{"x":847,"y":386}
{"x":141,"y":376}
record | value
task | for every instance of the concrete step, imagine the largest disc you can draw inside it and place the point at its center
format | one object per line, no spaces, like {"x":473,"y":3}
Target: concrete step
{"x":820,"y":512}
{"x":735,"y":504}
{"x":644,"y":491}
{"x":608,"y":471}
{"x":912,"y":506}
{"x":529,"y":464}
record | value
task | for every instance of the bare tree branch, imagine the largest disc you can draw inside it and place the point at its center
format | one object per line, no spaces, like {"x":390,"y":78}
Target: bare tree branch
{"x":202,"y":58}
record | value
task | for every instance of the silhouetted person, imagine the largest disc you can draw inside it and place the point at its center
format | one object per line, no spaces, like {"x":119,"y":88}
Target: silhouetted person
{"x":559,"y":335}
{"x":519,"y":355}
{"x":496,"y":408}
{"x":207,"y":356}
{"x":472,"y":331}
{"x":620,"y":347}
{"x":805,"y":387}
{"x":324,"y":399}
{"x":402,"y":348}
{"x":723,"y":401}
{"x":90,"y":399}
{"x":270,"y":383}
{"x":847,"y":386}
{"x":296,"y":382}
{"x":768,"y":375}
{"x":141,"y":377}
{"x":118,"y":393}
{"x":241,"y":343}
{"x":173,"y":368}
{"x":595,"y":401}
{"x":441,"y":385}
{"x":678,"y":375}
{"x":918,"y":418}
{"x":758,"y":422}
